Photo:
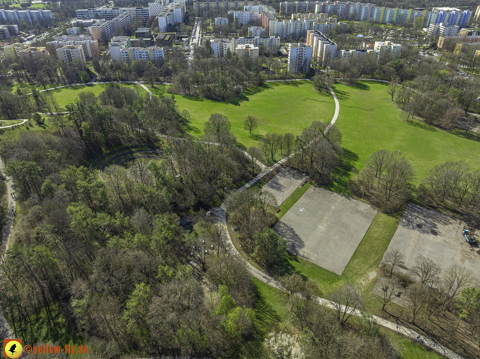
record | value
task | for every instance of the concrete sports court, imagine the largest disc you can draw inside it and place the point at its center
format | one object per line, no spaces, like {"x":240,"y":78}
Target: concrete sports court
{"x":283,"y":184}
{"x":436,"y":236}
{"x":325,"y":228}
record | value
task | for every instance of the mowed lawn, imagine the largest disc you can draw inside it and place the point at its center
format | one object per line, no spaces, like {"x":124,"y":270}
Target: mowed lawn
{"x":370,"y":121}
{"x":67,"y":95}
{"x":279,"y":107}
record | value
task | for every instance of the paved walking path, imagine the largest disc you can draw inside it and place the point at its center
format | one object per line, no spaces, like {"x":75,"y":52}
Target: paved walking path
{"x":15,"y":125}
{"x":5,"y":331}
{"x":220,"y":214}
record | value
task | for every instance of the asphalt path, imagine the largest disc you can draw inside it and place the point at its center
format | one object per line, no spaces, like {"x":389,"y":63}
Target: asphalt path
{"x":5,"y":331}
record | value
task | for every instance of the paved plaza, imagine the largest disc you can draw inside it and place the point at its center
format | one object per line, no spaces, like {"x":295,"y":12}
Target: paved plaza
{"x":325,"y":228}
{"x":436,"y":236}
{"x":283,"y":184}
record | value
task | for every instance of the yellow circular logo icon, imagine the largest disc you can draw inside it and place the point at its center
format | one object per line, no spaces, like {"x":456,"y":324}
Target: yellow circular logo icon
{"x":13,"y":349}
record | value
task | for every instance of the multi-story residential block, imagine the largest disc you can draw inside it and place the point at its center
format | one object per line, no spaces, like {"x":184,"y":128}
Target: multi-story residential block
{"x":4,"y":33}
{"x":268,"y":43}
{"x":299,"y":56}
{"x":32,"y":53}
{"x":247,"y":51}
{"x":73,"y":30}
{"x":442,"y":30}
{"x":370,"y":12}
{"x":28,"y":16}
{"x":353,"y":54}
{"x":90,"y":46}
{"x":72,"y":55}
{"x":109,"y":13}
{"x":220,"y":47}
{"x":154,"y":8}
{"x":13,"y":49}
{"x":104,"y":30}
{"x":120,"y":50}
{"x":384,"y":46}
{"x":256,"y":31}
{"x":245,"y":17}
{"x":324,"y":50}
{"x":219,"y":21}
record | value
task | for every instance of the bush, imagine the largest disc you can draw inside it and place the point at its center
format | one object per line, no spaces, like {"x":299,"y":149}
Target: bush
{"x":38,"y":119}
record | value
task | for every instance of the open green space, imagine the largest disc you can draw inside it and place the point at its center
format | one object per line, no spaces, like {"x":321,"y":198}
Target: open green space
{"x":67,"y":95}
{"x":370,"y":121}
{"x":279,"y":107}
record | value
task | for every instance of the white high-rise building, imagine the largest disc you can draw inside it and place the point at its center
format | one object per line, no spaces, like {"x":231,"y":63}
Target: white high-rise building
{"x":383,"y":46}
{"x":299,"y":56}
{"x":220,"y":47}
{"x":219,"y":21}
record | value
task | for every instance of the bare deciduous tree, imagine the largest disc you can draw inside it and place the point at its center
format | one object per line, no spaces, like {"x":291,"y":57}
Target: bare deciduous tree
{"x":346,"y":301}
{"x":426,"y":270}
{"x":393,"y":259}
{"x":388,"y":291}
{"x":416,"y":295}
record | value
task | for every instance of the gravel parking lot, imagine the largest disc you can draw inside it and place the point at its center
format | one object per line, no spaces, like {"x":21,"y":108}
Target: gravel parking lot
{"x":325,"y":228}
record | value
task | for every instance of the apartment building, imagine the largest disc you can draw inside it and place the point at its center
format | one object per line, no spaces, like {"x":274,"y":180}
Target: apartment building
{"x":370,"y":12}
{"x":72,"y":55}
{"x":104,"y":29}
{"x":247,"y":50}
{"x":171,"y":15}
{"x":121,"y":50}
{"x":73,"y":31}
{"x":109,"y":13}
{"x":90,"y":46}
{"x":32,"y":53}
{"x":383,"y":46}
{"x":245,"y":17}
{"x":324,"y":50}
{"x":13,"y":49}
{"x":353,"y":54}
{"x":219,"y":21}
{"x":442,"y":30}
{"x":299,"y":56}
{"x":220,"y":47}
{"x":4,"y":33}
{"x":28,"y":16}
{"x":269,"y":44}
{"x":256,"y":31}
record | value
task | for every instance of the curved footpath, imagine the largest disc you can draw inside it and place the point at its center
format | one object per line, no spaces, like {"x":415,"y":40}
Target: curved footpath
{"x":5,"y":331}
{"x":220,"y":214}
{"x":15,"y":125}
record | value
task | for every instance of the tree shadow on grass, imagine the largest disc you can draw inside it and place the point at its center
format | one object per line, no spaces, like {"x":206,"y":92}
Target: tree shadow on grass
{"x":343,"y":173}
{"x":256,"y":136}
{"x":194,"y":98}
{"x":341,"y":95}
{"x":361,"y":86}
{"x":257,"y":89}
{"x":422,"y":125}
{"x":192,"y":129}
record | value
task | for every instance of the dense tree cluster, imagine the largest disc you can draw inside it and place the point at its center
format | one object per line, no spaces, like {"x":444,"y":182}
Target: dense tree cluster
{"x":385,"y":180}
{"x":111,"y":257}
{"x":452,"y":185}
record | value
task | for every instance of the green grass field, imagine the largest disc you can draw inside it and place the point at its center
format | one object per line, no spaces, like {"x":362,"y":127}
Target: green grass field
{"x":9,"y":122}
{"x":67,"y":95}
{"x":370,"y":121}
{"x":279,"y":107}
